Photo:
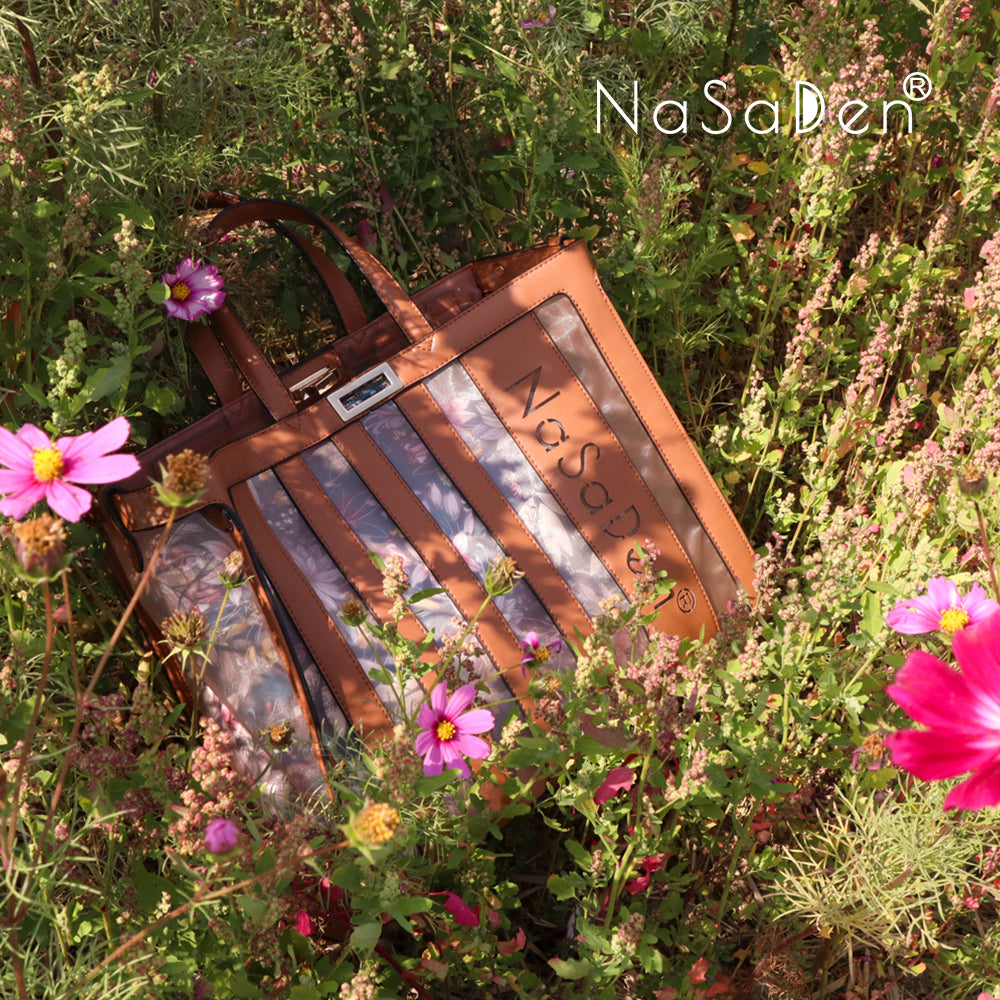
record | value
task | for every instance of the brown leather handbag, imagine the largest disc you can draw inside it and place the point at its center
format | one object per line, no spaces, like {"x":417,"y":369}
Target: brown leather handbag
{"x":502,"y":411}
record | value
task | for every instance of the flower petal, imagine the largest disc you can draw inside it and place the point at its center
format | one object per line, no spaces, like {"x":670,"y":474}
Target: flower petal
{"x":979,"y":791}
{"x":929,"y":756}
{"x":14,"y":480}
{"x":460,"y":701}
{"x":94,"y":444}
{"x":439,"y":699}
{"x":977,"y":649}
{"x":933,"y":694}
{"x":109,"y":469}
{"x":914,"y":617}
{"x":33,"y":437}
{"x":479,"y":720}
{"x":17,"y":505}
{"x":14,"y":451}
{"x":470,"y":746}
{"x":68,"y":501}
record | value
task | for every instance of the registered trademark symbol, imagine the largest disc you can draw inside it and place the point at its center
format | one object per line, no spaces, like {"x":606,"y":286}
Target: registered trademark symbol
{"x":685,"y":600}
{"x":917,"y":86}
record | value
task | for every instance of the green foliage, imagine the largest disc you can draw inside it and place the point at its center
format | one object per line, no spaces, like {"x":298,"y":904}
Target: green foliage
{"x":822,"y":309}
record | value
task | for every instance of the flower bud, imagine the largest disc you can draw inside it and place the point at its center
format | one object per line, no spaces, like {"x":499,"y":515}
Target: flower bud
{"x":232,"y":572}
{"x":501,"y":575}
{"x":973,"y":483}
{"x":39,"y":544}
{"x":184,"y":479}
{"x":185,"y":628}
{"x":375,"y":824}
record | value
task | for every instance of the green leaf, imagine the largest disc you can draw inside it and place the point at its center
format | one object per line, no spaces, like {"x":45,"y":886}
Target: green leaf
{"x":107,"y":380}
{"x":43,"y":209}
{"x":365,"y":936}
{"x":347,"y":877}
{"x":422,"y":595}
{"x":254,"y":908}
{"x":560,"y":887}
{"x":573,"y":968}
{"x":162,"y":399}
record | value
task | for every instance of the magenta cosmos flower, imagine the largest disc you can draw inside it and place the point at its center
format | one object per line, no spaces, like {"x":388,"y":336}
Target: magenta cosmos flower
{"x":221,"y":835}
{"x":38,"y":468}
{"x":448,"y":730}
{"x":941,"y":608}
{"x":195,"y":289}
{"x":961,"y":709}
{"x":535,"y":652}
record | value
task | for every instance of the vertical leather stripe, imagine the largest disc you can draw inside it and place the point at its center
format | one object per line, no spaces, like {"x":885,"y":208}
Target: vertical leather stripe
{"x":540,"y":401}
{"x":436,"y":550}
{"x":474,"y":482}
{"x":678,"y":450}
{"x":576,"y":344}
{"x":214,"y":362}
{"x":340,"y":541}
{"x":332,"y":654}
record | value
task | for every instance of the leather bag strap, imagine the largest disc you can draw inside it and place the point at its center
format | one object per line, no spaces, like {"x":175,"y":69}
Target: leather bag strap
{"x":255,"y":368}
{"x":400,"y":306}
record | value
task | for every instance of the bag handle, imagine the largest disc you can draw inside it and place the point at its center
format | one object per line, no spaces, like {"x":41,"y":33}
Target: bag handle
{"x":255,"y":368}
{"x":400,"y":306}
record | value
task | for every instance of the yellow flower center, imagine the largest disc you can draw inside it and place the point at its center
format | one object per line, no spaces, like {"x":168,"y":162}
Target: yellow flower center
{"x":542,"y":654}
{"x":445,"y":731}
{"x":180,"y":291}
{"x":48,"y":463}
{"x":954,"y":619}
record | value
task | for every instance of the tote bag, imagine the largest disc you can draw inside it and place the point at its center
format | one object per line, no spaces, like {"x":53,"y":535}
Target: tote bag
{"x":503,"y":411}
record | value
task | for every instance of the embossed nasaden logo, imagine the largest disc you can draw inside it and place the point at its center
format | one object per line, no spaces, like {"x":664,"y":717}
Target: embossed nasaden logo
{"x":551,"y":433}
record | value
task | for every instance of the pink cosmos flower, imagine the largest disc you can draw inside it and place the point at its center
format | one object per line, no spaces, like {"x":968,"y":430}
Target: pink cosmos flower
{"x":195,"y":289}
{"x":961,"y":709}
{"x":535,"y":652}
{"x":38,"y":468}
{"x":941,"y":608}
{"x":303,"y":924}
{"x":464,"y":915}
{"x":448,"y":730}
{"x":221,"y":835}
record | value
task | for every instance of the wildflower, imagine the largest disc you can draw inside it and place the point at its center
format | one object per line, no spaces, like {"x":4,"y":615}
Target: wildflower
{"x":449,"y":728}
{"x":39,"y":544}
{"x":303,"y":924}
{"x":961,"y":709}
{"x":501,"y":575}
{"x":942,"y":608}
{"x":974,"y":483}
{"x":232,"y":573}
{"x":220,"y":835}
{"x":535,"y":652}
{"x":195,"y":289}
{"x":375,"y":824}
{"x":352,"y":612}
{"x":38,"y":468}
{"x":184,"y":479}
{"x":540,"y":22}
{"x":185,"y":628}
{"x":464,"y":915}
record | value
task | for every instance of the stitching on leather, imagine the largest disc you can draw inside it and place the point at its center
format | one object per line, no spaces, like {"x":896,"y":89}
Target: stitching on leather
{"x":489,"y":484}
{"x":460,"y":562}
{"x":555,"y":493}
{"x":685,"y":441}
{"x":284,"y":557}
